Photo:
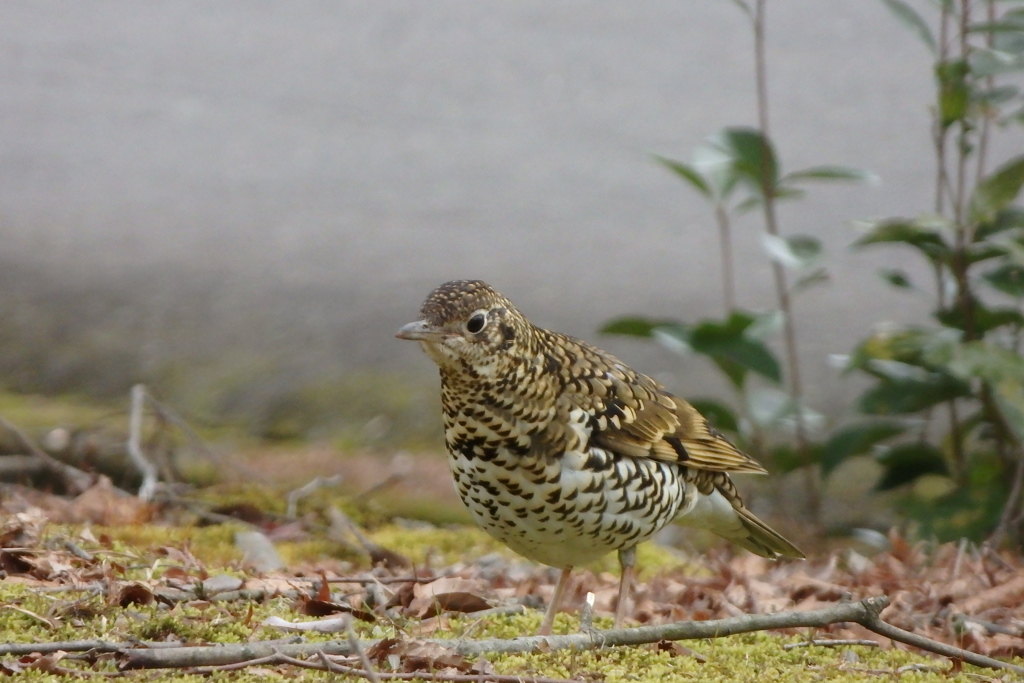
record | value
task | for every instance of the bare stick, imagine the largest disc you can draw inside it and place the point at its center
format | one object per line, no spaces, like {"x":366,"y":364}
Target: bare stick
{"x":307,"y":489}
{"x":18,"y":466}
{"x":864,"y":612}
{"x":170,"y":416}
{"x":874,"y":623}
{"x":353,"y":641}
{"x":334,"y":667}
{"x":75,"y":479}
{"x":150,"y":477}
{"x":21,"y":649}
{"x":839,"y":642}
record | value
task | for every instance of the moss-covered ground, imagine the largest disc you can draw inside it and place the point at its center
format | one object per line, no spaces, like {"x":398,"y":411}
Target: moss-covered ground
{"x":47,"y":611}
{"x":63,"y":599}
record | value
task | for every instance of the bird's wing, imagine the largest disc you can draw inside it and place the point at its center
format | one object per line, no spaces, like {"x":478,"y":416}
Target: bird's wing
{"x":634,"y":415}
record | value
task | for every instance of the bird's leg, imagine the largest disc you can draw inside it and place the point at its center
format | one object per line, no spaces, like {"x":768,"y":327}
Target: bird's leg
{"x":627,"y":561}
{"x":556,"y":600}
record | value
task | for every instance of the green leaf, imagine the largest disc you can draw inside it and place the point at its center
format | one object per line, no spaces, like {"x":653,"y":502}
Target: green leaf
{"x":983,"y":251}
{"x":906,"y":462}
{"x":718,"y":415}
{"x":731,"y":343}
{"x":634,"y":326}
{"x":818,"y":276}
{"x":992,"y":62}
{"x":912,"y":20}
{"x":1007,"y":278}
{"x":688,"y":173}
{"x":899,"y":397}
{"x":911,"y":232}
{"x":983,"y":319}
{"x":840,"y":173}
{"x":998,"y":190}
{"x":735,"y":352}
{"x":1012,"y":22}
{"x":1009,"y":395}
{"x":1009,"y":218}
{"x":981,"y":360}
{"x":744,"y":7}
{"x":768,"y":407}
{"x":954,"y":91}
{"x":856,"y":439}
{"x":896,"y":278}
{"x":784,"y":458}
{"x":764,"y":325}
{"x":716,"y":168}
{"x":911,"y":346}
{"x":996,"y":96}
{"x":752,"y":158}
{"x":794,"y":252}
{"x":1001,"y":368}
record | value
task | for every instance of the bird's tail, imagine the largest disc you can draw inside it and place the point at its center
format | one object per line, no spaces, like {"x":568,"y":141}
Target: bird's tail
{"x":761,"y":539}
{"x":723,"y":513}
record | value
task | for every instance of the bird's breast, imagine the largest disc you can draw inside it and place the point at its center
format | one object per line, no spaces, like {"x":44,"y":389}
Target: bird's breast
{"x":559,"y":502}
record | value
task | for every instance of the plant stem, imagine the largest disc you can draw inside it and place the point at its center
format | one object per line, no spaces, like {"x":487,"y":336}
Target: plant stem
{"x":1011,"y":511}
{"x":986,"y":118}
{"x":942,"y":177}
{"x":778,"y":272}
{"x":725,"y":239}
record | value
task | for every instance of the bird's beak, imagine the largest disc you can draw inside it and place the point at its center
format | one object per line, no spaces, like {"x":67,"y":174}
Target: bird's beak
{"x":420,"y":331}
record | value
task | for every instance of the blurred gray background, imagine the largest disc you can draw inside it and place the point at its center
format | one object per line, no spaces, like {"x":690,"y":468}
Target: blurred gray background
{"x":213,"y":190}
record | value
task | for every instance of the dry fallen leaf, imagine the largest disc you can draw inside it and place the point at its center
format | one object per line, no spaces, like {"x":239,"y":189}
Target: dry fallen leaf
{"x":322,"y":608}
{"x":448,"y":594}
{"x":104,"y":504}
{"x":134,"y":593}
{"x":417,"y":655}
{"x":677,"y":649}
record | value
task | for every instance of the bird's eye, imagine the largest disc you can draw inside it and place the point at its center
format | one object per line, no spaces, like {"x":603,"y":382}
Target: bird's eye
{"x":476,"y":323}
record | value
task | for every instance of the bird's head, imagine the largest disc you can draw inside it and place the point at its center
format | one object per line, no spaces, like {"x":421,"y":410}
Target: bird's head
{"x":466,"y":324}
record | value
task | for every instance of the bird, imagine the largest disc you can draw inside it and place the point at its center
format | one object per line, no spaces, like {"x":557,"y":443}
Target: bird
{"x":564,"y":453}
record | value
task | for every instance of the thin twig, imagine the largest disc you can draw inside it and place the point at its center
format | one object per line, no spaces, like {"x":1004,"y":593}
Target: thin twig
{"x":327,"y":664}
{"x":874,"y":623}
{"x":167,"y":414}
{"x":839,"y":642}
{"x":353,"y":641}
{"x":150,"y":476}
{"x":308,"y":489}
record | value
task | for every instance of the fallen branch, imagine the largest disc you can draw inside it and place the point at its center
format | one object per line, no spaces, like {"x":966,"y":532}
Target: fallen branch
{"x":14,"y":467}
{"x":327,"y":664}
{"x":75,"y":479}
{"x":865,"y":612}
{"x":98,"y":646}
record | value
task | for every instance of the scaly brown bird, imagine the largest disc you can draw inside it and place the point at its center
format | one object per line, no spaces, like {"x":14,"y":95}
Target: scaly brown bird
{"x":563,"y":452}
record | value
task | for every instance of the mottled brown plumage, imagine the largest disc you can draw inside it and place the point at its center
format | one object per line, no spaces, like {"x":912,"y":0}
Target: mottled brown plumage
{"x":563,"y":452}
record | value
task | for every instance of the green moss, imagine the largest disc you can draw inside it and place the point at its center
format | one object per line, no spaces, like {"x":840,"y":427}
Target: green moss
{"x":211,"y":545}
{"x":34,"y":413}
{"x":266,"y":499}
{"x":750,"y":657}
{"x":442,"y":546}
{"x":302,"y":552}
